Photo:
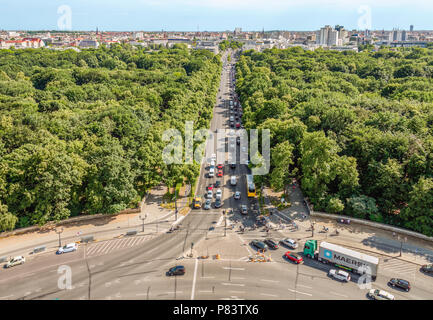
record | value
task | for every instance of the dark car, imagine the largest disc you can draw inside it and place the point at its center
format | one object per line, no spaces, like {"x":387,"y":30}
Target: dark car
{"x":271,"y":244}
{"x":259,"y":245}
{"x":233,"y":165}
{"x":399,"y":283}
{"x":217,"y":184}
{"x":176,"y":271}
{"x":427,"y":268}
{"x":218,"y":203}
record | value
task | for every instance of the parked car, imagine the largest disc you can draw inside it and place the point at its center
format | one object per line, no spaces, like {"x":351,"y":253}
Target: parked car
{"x":15,"y":261}
{"x":206,"y":205}
{"x":209,"y":187}
{"x":220,"y":173}
{"x":400,"y":283}
{"x":290,"y":243}
{"x":217,"y":184}
{"x":238,"y":125}
{"x":68,"y":248}
{"x":237,"y":195}
{"x":271,"y":244}
{"x":377,"y":294}
{"x":339,"y":275}
{"x":218,"y":203}
{"x":296,"y":258}
{"x":233,"y":165}
{"x":260,"y":245}
{"x":219,"y":194}
{"x":209,"y":194}
{"x":220,"y":166}
{"x":427,"y":268}
{"x":244,"y":209}
{"x":197,"y":203}
{"x":176,"y":271}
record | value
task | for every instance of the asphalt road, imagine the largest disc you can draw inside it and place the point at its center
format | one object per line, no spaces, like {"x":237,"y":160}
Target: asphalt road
{"x":135,"y":267}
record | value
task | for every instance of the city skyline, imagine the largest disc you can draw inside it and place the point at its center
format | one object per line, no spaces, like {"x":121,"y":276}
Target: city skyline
{"x":192,"y":15}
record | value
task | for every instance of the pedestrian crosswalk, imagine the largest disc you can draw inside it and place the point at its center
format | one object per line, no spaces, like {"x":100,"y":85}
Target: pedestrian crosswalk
{"x":101,"y":248}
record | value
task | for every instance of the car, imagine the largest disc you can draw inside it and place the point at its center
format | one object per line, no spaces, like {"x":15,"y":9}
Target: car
{"x":296,"y":258}
{"x":213,"y":156}
{"x":233,"y":165}
{"x":70,"y":247}
{"x":237,"y":195}
{"x":218,"y":203}
{"x":260,"y":245}
{"x":206,"y":205}
{"x":209,"y":187}
{"x":238,"y":125}
{"x":233,"y":180}
{"x":219,"y":193}
{"x":427,"y":268}
{"x":400,"y":283}
{"x":238,"y":140}
{"x":211,"y":172}
{"x":197,"y":203}
{"x":231,"y":132}
{"x":290,"y":243}
{"x":220,"y":173}
{"x":377,"y":294}
{"x":232,"y":146}
{"x":244,"y":209}
{"x":209,"y":194}
{"x":176,"y":271}
{"x":339,"y":275}
{"x":217,"y":184}
{"x":15,"y":261}
{"x":220,"y":167}
{"x":271,"y":243}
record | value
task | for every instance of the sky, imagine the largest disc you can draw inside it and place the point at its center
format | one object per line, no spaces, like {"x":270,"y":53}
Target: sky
{"x":214,"y":15}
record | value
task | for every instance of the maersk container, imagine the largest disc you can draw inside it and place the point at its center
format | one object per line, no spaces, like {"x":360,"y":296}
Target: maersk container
{"x":348,"y":259}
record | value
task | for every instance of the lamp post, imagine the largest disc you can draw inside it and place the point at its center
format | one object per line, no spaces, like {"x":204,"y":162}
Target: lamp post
{"x":59,"y":231}
{"x":142,"y":220}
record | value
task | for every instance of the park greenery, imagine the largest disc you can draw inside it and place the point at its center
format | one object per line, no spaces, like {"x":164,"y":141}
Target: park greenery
{"x":81,"y":132}
{"x":230,"y":44}
{"x":356,"y":129}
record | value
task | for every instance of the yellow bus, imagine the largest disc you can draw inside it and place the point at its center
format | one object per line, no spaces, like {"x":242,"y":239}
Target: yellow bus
{"x":251,"y":188}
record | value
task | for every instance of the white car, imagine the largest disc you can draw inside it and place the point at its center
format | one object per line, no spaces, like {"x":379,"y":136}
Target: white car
{"x":339,"y":275}
{"x":292,"y":244}
{"x":233,"y":180}
{"x":377,"y":294}
{"x":15,"y":261}
{"x":237,"y":195}
{"x":70,"y":247}
{"x":209,"y":194}
{"x":219,"y":194}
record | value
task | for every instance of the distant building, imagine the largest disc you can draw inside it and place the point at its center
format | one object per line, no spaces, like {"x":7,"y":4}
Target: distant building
{"x":89,"y":44}
{"x":327,"y":36}
{"x":411,"y":28}
{"x":238,"y":30}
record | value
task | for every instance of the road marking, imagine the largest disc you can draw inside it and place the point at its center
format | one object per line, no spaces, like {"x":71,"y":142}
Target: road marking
{"x":307,"y":294}
{"x":238,"y":278}
{"x":231,"y":268}
{"x":338,"y":294}
{"x":210,"y":277}
{"x":275,"y":281}
{"x":301,"y":285}
{"x":141,"y":294}
{"x":194,"y":279}
{"x":172,"y":292}
{"x":233,"y":284}
{"x":268,"y":294}
{"x":4,"y":298}
{"x":205,"y":291}
{"x":233,"y":291}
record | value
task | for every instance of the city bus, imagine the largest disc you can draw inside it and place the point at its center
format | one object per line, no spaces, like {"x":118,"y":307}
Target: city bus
{"x":251,"y":188}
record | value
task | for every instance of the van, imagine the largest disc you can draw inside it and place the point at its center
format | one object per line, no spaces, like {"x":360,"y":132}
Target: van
{"x":211,"y":172}
{"x":233,"y":180}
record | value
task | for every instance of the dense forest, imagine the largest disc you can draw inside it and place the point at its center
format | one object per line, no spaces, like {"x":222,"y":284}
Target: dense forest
{"x":81,"y":132}
{"x":356,"y":128}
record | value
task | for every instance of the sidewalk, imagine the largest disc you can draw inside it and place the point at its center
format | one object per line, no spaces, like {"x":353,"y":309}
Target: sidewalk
{"x":106,"y":227}
{"x":366,"y":238}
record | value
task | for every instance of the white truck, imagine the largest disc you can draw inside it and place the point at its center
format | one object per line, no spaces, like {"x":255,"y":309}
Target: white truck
{"x":343,"y":258}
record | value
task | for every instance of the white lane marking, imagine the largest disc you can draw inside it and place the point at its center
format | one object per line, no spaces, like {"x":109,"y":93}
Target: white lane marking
{"x":233,"y":291}
{"x":274,"y":281}
{"x":338,"y":294}
{"x":307,"y":294}
{"x":5,"y":297}
{"x":99,"y":248}
{"x":194,"y":279}
{"x":268,"y":294}
{"x":231,"y":268}
{"x":219,"y":221}
{"x":233,"y":284}
{"x":246,"y":245}
{"x":141,"y":294}
{"x":205,"y":291}
{"x":301,"y":285}
{"x":238,"y":278}
{"x":172,"y":292}
{"x":210,"y":277}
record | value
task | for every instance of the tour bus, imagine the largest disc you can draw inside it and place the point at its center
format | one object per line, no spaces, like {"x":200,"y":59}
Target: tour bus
{"x":251,"y":188}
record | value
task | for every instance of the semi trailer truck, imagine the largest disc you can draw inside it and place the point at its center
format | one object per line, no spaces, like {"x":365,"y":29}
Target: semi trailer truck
{"x":341,"y":257}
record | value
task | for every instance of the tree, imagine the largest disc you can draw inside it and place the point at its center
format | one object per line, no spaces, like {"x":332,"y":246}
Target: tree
{"x":281,"y":159}
{"x":7,"y":219}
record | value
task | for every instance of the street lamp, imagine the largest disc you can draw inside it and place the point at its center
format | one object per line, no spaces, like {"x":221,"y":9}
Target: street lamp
{"x":142,"y":219}
{"x":59,"y":231}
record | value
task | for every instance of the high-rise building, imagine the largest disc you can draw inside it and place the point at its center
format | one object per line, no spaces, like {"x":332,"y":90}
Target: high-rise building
{"x":327,"y":36}
{"x":396,"y":35}
{"x":238,"y":30}
{"x":411,"y":28}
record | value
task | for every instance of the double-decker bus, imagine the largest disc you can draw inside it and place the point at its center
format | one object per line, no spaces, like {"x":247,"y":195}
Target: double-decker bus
{"x":251,"y":188}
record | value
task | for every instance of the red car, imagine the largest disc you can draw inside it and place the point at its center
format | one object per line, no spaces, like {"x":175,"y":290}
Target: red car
{"x":210,"y":187}
{"x":296,"y":258}
{"x":238,"y":125}
{"x":220,"y":173}
{"x":220,"y":166}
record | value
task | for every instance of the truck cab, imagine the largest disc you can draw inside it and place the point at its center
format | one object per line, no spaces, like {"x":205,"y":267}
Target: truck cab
{"x":311,"y":249}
